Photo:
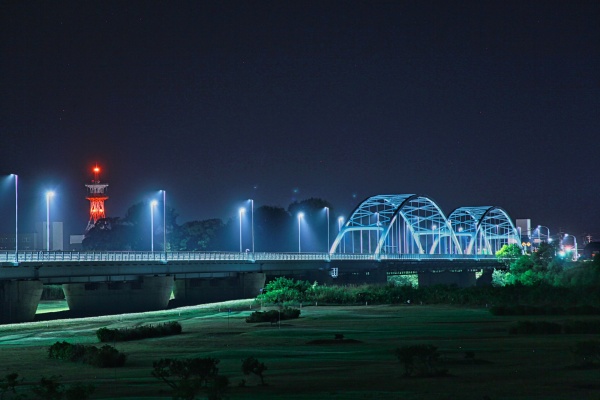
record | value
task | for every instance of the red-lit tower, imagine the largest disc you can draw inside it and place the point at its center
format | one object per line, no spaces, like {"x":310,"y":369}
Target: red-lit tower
{"x":96,"y":196}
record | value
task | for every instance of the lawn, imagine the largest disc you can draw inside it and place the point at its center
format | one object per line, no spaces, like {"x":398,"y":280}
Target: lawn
{"x":504,"y":367}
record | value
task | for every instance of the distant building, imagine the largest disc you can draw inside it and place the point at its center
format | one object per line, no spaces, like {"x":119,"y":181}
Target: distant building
{"x":27,"y":241}
{"x":57,"y":240}
{"x":75,"y":242}
{"x":590,"y":250}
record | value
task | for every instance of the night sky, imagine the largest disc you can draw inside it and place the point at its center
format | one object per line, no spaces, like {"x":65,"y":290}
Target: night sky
{"x":468,"y":102}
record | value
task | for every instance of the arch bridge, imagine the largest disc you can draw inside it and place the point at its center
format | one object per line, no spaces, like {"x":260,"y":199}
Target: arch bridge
{"x":389,"y":226}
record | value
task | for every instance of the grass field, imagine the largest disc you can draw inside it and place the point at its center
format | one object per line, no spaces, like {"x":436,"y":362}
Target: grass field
{"x":505,"y":366}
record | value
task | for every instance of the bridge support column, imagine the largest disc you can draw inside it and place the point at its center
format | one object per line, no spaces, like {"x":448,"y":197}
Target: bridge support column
{"x":459,"y":278}
{"x":148,"y":293}
{"x":19,"y":300}
{"x":202,"y":290}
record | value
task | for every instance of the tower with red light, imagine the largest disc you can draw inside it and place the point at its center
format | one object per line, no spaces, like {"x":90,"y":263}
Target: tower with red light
{"x":96,"y":196}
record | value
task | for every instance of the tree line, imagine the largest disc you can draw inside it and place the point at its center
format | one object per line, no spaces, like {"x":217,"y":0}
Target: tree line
{"x":275,"y":230}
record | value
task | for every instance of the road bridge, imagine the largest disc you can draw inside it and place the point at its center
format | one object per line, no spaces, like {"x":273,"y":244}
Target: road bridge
{"x":386,"y":234}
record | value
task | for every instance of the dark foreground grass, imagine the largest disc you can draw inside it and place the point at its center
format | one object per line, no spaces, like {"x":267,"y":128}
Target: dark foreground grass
{"x":304,"y":362}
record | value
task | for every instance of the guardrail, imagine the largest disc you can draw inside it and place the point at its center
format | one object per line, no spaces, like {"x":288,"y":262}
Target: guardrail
{"x":112,"y":256}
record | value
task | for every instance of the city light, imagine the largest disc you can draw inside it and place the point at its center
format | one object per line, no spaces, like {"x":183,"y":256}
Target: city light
{"x":49,"y":195}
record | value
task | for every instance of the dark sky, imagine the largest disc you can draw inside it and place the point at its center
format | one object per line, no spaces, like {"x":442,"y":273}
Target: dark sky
{"x":469,"y":102}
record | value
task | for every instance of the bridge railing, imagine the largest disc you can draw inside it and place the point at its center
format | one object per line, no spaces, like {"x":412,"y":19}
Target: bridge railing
{"x":108,"y":256}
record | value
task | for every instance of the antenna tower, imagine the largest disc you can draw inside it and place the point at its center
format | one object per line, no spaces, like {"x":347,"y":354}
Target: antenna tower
{"x":96,"y":196}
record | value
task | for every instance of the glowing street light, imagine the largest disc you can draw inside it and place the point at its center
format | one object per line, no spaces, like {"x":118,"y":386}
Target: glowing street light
{"x":548,"y":232}
{"x":327,"y":247}
{"x":153,"y":204}
{"x":252,"y":221}
{"x":574,"y":243}
{"x":242,"y":211}
{"x":49,"y":195}
{"x":16,"y":217}
{"x":164,"y":192}
{"x":300,"y":217}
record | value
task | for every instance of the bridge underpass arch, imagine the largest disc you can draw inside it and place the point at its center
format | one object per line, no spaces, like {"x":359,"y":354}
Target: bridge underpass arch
{"x":397,"y":224}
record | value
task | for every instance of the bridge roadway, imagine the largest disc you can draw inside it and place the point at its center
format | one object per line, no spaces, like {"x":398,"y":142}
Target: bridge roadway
{"x":73,"y":267}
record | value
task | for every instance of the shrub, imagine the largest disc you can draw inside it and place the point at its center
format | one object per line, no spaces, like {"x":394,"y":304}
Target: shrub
{"x":273,"y":315}
{"x":105,"y":357}
{"x":141,"y":332}
{"x":187,"y":377}
{"x":251,"y":365}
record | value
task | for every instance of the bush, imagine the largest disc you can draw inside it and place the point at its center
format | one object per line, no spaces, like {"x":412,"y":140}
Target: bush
{"x":141,"y":332}
{"x":187,"y":377}
{"x":273,"y":315}
{"x":105,"y":357}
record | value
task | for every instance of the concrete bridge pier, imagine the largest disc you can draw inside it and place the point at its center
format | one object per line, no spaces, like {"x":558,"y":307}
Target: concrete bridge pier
{"x":458,"y":278}
{"x":147,"y":293}
{"x":19,"y":300}
{"x":193,"y":291}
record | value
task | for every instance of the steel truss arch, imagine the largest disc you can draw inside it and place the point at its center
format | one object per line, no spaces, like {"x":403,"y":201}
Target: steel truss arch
{"x":483,"y":229}
{"x":403,"y":224}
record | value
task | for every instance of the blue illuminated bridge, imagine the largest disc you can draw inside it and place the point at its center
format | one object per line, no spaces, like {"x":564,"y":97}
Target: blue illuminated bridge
{"x":385,"y":234}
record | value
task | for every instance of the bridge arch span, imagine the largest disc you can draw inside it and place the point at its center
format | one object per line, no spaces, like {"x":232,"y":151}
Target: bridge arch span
{"x":483,"y":229}
{"x":397,"y":224}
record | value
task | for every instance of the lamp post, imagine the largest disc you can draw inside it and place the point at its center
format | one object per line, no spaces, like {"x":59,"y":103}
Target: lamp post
{"x":377,"y":236}
{"x":242,"y":211}
{"x":153,"y":204}
{"x":327,"y":247}
{"x":340,"y":222}
{"x":574,"y":243}
{"x":164,"y":192}
{"x":16,"y":217}
{"x":49,"y":195}
{"x":548,"y":240}
{"x":300,"y":216}
{"x":252,"y":221}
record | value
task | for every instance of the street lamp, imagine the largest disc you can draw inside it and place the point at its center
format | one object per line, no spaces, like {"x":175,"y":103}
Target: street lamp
{"x":548,"y":231}
{"x":153,"y":204}
{"x":340,"y":222}
{"x":164,"y":192}
{"x":574,"y":243}
{"x":327,"y":247}
{"x":252,"y":221}
{"x":49,"y":195}
{"x":16,"y":217}
{"x":300,"y":216}
{"x":242,"y":211}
